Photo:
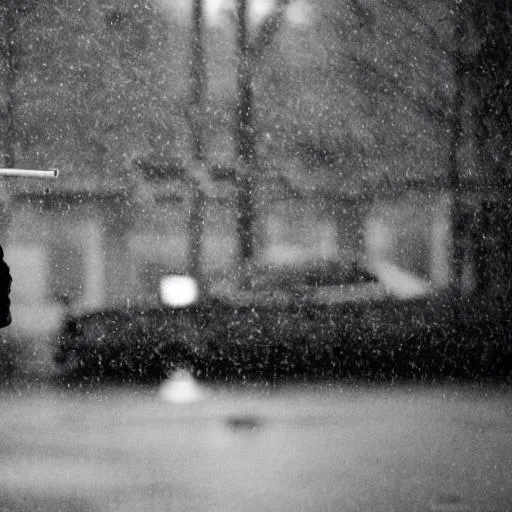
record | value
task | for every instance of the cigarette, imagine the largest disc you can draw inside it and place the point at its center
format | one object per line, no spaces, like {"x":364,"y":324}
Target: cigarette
{"x":28,"y":173}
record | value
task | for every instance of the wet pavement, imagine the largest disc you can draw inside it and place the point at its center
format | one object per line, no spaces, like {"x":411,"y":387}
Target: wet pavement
{"x":329,"y":447}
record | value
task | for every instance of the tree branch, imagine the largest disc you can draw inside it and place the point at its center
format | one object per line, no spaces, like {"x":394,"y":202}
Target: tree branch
{"x":365,"y":15}
{"x":386,"y":83}
{"x":268,"y":31}
{"x":433,"y":39}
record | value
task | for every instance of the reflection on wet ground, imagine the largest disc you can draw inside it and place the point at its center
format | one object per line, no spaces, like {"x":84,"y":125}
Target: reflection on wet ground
{"x":308,"y":448}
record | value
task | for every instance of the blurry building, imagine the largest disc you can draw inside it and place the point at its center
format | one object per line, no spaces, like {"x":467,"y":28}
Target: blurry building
{"x":87,"y":251}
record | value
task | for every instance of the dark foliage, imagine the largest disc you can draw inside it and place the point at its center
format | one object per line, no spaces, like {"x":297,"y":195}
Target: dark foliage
{"x":490,"y":75}
{"x":419,"y":340}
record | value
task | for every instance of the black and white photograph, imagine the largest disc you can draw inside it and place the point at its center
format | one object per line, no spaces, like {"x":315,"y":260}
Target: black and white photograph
{"x":255,"y":256}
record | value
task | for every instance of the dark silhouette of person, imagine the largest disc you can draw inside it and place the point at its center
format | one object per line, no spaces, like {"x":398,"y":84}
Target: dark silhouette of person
{"x":5,"y":291}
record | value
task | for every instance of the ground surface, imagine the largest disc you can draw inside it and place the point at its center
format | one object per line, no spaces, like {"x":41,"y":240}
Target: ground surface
{"x":300,"y":448}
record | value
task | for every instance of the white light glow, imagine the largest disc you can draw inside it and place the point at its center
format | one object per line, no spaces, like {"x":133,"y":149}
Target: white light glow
{"x":300,"y":13}
{"x":399,"y":282}
{"x":181,"y":388}
{"x":222,"y":12}
{"x":179,"y":291}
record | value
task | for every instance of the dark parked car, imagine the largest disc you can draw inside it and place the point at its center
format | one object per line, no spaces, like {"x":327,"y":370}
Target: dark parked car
{"x":381,"y":338}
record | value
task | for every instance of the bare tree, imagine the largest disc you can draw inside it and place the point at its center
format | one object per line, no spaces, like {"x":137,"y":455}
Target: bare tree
{"x":196,"y":115}
{"x":249,"y":53}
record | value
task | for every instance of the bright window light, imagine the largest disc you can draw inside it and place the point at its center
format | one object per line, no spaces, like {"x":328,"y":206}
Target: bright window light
{"x":178,"y":291}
